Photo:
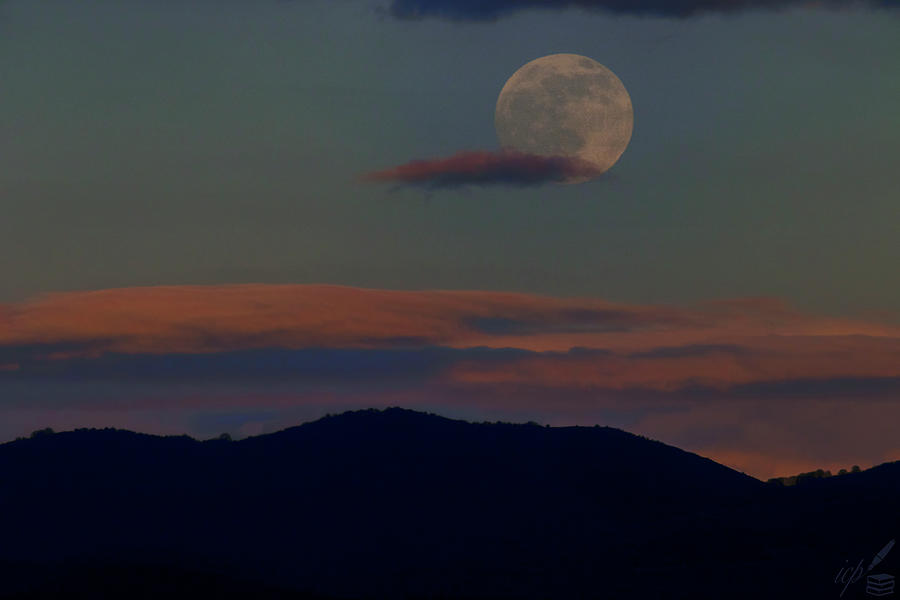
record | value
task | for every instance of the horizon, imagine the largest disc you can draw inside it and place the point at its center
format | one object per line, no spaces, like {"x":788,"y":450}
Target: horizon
{"x":227,"y":436}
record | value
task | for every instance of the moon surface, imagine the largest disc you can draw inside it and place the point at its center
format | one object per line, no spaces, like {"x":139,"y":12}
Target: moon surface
{"x":565,"y":105}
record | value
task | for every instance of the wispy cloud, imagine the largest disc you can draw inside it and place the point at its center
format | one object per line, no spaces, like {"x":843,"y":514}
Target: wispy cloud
{"x":585,"y":342}
{"x":488,"y":10}
{"x":782,"y":365}
{"x":486,"y":168}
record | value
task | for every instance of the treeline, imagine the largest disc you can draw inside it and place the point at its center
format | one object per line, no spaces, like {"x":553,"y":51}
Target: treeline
{"x":803,"y":477}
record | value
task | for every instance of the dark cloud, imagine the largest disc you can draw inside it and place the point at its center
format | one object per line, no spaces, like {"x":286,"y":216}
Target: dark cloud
{"x":572,"y":321}
{"x":488,"y":10}
{"x":14,"y":357}
{"x":584,"y":368}
{"x":313,"y":365}
{"x":691,"y":350}
{"x":885,"y":387}
{"x":486,"y":168}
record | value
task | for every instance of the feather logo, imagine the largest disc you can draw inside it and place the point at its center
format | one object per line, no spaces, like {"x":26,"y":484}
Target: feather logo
{"x":878,"y":585}
{"x":880,"y":556}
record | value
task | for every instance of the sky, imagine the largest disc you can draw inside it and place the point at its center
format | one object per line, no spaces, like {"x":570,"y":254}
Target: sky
{"x":192,"y":239}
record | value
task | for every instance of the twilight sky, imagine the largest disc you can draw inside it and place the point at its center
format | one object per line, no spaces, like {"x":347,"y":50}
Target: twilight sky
{"x":728,"y":287}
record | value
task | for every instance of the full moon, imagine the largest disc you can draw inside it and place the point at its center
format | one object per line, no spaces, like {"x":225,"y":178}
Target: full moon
{"x":565,"y":105}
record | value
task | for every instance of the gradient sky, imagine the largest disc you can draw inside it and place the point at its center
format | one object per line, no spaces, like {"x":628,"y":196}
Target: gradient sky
{"x":207,"y":143}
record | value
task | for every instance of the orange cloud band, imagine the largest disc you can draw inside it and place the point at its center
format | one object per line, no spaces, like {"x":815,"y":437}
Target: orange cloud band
{"x":744,"y":361}
{"x":715,"y":344}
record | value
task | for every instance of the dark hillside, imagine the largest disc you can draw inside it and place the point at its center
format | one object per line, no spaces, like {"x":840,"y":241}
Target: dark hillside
{"x":395,"y":504}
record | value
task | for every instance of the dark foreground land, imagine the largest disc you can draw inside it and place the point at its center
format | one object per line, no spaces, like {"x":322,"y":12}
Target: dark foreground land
{"x":397,"y":504}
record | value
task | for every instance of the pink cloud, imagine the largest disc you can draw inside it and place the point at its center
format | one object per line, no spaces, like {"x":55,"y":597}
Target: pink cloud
{"x":487,"y":168}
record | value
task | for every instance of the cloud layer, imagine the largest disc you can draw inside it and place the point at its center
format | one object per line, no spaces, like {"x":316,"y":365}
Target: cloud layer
{"x":184,"y":355}
{"x":487,"y":168}
{"x":582,"y":342}
{"x":487,"y":10}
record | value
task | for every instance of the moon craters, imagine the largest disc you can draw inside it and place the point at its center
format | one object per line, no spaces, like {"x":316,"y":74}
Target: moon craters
{"x":565,"y":105}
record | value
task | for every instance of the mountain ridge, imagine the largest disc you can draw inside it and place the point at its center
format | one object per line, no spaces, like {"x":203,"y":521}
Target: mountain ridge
{"x":397,"y":503}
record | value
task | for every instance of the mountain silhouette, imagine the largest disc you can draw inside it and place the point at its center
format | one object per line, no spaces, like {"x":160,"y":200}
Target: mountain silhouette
{"x":400,"y":504}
